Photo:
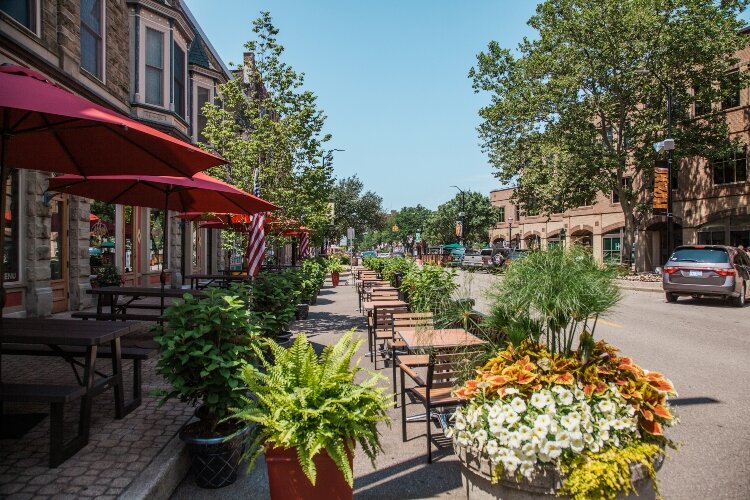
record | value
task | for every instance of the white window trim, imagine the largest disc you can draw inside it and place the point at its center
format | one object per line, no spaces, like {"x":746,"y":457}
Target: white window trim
{"x":185,"y":81}
{"x":166,"y":101}
{"x":103,"y":62}
{"x":195,"y":111}
{"x":37,"y":31}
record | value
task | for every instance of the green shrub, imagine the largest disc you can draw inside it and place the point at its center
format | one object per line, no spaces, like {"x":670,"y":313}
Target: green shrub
{"x":395,"y":265}
{"x":429,"y":288}
{"x":274,"y":301}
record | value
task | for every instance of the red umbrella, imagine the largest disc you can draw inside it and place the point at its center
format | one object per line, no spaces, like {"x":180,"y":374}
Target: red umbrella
{"x":201,"y":193}
{"x":45,"y":127}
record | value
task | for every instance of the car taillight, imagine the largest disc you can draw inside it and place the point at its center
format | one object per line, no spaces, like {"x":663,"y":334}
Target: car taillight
{"x":671,"y":270}
{"x":725,"y":272}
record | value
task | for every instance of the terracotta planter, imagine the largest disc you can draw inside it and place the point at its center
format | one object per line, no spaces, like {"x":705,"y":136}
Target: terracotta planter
{"x":287,"y":481}
{"x":335,"y":278}
{"x":476,"y":474}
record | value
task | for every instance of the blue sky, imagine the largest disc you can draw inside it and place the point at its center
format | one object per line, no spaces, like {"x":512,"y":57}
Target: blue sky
{"x":392,"y":78}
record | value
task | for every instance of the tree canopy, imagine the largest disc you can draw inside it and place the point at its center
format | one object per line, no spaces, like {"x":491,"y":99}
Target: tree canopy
{"x":575,"y":110}
{"x":265,"y":119}
{"x":480,"y":216}
{"x":354,"y":208}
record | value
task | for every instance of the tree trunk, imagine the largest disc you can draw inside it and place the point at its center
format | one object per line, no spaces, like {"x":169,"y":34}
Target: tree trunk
{"x":629,"y":239}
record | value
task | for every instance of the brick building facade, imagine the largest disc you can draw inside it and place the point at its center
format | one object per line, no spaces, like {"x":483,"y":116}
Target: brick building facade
{"x":147,"y":59}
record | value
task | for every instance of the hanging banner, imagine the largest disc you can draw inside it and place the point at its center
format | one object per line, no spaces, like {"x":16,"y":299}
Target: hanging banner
{"x":661,"y":188}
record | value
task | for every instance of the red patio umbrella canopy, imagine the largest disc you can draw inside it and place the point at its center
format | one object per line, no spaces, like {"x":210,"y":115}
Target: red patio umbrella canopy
{"x":47,"y":128}
{"x":201,"y":193}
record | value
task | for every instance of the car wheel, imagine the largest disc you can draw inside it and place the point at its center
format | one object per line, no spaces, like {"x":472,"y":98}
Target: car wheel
{"x":742,"y":299}
{"x":671,"y":297}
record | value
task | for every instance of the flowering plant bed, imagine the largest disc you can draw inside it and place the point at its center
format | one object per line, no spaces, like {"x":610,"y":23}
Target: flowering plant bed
{"x":590,"y":421}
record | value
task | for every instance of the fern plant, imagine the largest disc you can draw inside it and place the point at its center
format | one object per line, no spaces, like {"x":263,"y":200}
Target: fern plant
{"x":311,"y":403}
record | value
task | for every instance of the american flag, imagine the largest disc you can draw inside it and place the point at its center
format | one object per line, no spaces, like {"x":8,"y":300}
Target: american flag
{"x":304,"y":245}
{"x":256,"y":246}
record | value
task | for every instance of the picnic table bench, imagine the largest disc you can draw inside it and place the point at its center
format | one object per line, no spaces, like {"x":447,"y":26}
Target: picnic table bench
{"x":201,"y":281}
{"x":108,"y":297}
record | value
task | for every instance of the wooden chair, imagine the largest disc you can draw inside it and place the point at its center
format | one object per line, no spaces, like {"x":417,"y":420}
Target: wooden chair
{"x":383,"y":294}
{"x":407,"y":321}
{"x":367,"y":286}
{"x":434,"y":391}
{"x":381,"y":328}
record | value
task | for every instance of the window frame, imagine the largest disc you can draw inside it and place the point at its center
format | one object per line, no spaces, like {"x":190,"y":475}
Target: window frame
{"x":729,"y":102}
{"x":13,"y":199}
{"x":501,"y":215}
{"x":101,"y":55}
{"x":198,"y":135}
{"x":146,"y":66}
{"x":626,"y":180}
{"x":183,"y":81}
{"x":725,"y":162}
{"x":34,"y":12}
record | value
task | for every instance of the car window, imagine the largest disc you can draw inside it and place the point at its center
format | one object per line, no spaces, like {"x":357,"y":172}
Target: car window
{"x":700,"y":255}
{"x":487,"y":252}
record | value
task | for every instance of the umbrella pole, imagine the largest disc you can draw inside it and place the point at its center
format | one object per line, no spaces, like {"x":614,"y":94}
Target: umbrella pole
{"x":163,"y":275}
{"x":4,"y":174}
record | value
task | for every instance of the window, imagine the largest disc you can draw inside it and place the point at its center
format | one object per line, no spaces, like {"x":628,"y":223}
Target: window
{"x":711,"y":236}
{"x":154,"y":67}
{"x":10,"y":226}
{"x":204,"y":95}
{"x":500,"y":215}
{"x":612,"y":248}
{"x":155,"y":240}
{"x":701,"y":107}
{"x":731,"y":169}
{"x":23,"y":11}
{"x":92,"y":31}
{"x":518,"y":213}
{"x":131,"y":245}
{"x":178,"y":76}
{"x":627,"y":184}
{"x":730,"y":88}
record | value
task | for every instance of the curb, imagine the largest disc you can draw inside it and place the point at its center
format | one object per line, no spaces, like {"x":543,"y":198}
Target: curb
{"x":640,"y":286}
{"x":162,"y":475}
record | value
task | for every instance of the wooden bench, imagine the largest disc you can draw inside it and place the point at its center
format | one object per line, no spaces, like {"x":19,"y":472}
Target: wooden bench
{"x":136,"y":354}
{"x":117,"y":317}
{"x":56,"y":396}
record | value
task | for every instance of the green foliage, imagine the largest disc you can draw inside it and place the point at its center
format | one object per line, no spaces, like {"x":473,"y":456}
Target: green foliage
{"x":310,"y":403}
{"x":480,"y":217}
{"x":353,"y":208}
{"x":108,"y":275}
{"x":333,"y":264}
{"x":409,"y":220}
{"x":556,"y":294}
{"x":274,"y":301}
{"x":429,"y":288}
{"x":573,"y":112}
{"x":267,"y":120}
{"x":309,"y":279}
{"x":607,"y":474}
{"x":395,"y":265}
{"x":204,"y":344}
{"x":376,"y":264}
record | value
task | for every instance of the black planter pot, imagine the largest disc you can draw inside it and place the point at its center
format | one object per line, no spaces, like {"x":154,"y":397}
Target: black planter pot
{"x":214,"y":460}
{"x":302,"y":311}
{"x":314,"y":299}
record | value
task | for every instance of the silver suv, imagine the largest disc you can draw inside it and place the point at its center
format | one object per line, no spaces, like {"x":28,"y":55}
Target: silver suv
{"x":714,"y":270}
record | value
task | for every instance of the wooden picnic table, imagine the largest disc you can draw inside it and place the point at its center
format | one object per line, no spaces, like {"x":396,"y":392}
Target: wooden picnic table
{"x":222,"y":280}
{"x":57,"y":334}
{"x":109,"y":296}
{"x":438,"y":338}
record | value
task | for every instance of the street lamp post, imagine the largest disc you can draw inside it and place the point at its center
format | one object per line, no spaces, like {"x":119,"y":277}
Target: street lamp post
{"x":510,"y":230}
{"x":562,"y":237}
{"x":462,"y":214}
{"x":668,"y":144}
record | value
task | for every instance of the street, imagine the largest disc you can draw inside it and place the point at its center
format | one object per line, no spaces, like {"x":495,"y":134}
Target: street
{"x":703,"y":346}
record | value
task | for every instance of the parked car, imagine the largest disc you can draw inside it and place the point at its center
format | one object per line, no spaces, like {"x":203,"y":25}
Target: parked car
{"x":384,"y":254}
{"x":478,"y":260}
{"x":712,"y":270}
{"x":504,"y":256}
{"x":369,"y":253}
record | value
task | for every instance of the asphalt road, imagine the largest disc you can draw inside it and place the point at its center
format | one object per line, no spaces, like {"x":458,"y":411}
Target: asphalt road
{"x":703,"y":346}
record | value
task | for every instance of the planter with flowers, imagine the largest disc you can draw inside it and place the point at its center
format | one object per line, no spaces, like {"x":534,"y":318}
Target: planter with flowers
{"x":543,"y":418}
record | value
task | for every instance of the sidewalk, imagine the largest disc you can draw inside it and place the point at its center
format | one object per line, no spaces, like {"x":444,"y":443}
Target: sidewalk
{"x":402,"y":470}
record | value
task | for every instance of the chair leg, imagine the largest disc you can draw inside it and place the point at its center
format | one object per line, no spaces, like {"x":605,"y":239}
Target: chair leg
{"x":428,"y":419}
{"x":403,"y":409}
{"x":393,"y":365}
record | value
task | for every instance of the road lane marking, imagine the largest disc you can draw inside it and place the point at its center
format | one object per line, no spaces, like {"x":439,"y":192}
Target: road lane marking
{"x":609,"y":323}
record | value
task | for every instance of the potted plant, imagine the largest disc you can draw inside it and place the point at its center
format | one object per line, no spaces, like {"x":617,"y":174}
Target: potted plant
{"x":546,"y":418}
{"x":273,"y":303}
{"x":107,"y":275}
{"x":310,"y":412}
{"x":334,"y":267}
{"x":204,"y":343}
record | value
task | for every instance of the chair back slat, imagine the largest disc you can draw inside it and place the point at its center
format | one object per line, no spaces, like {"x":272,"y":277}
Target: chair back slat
{"x":445,"y":368}
{"x":423,"y":320}
{"x":383,"y":316}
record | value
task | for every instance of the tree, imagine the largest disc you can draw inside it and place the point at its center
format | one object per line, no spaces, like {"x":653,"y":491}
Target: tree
{"x":577,"y":111}
{"x":264,"y":119}
{"x":480,"y":216}
{"x":409,"y":221}
{"x":353,"y":208}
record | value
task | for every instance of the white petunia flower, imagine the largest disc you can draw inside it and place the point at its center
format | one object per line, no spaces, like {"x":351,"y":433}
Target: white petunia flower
{"x":524,"y":432}
{"x":538,"y":400}
{"x":576,"y":444}
{"x":512,"y":419}
{"x":565,"y":397}
{"x":606,"y":406}
{"x":518,"y":405}
{"x":563,"y":439}
{"x":543,"y":421}
{"x":492,"y":447}
{"x":481,"y":437}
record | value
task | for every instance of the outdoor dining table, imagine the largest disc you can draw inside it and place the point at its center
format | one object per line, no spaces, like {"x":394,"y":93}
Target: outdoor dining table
{"x":59,"y":334}
{"x":369,"y":305}
{"x":109,"y":296}
{"x":201,"y":281}
{"x":438,"y":338}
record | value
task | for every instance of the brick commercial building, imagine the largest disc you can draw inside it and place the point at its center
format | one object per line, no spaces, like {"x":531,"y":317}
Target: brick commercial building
{"x":147,"y":59}
{"x":711,"y":204}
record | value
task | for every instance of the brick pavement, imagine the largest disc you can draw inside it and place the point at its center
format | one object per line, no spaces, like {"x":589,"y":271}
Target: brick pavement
{"x":118,"y":450}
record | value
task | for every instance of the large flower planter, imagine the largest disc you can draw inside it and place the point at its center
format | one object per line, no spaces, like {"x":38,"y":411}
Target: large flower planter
{"x":476,"y":479}
{"x":214,"y":460}
{"x":287,"y":480}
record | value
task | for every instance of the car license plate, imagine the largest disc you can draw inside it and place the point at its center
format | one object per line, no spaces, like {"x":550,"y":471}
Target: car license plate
{"x":695,"y":274}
